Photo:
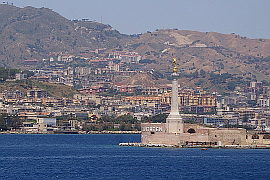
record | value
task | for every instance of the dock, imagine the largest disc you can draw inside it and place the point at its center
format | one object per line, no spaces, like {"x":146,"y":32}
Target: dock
{"x":196,"y":146}
{"x":148,"y":145}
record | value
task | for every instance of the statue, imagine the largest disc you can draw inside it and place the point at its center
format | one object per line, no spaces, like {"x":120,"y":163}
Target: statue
{"x":174,"y":65}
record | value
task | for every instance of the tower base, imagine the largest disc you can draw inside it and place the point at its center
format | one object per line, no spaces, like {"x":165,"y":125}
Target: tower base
{"x":174,"y":124}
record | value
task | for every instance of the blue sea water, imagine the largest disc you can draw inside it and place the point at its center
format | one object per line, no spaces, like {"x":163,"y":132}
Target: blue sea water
{"x":100,"y":157}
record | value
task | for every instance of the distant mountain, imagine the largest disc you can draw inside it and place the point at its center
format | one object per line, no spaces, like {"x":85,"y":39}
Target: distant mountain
{"x":207,"y":51}
{"x":29,"y":33}
{"x":34,"y":33}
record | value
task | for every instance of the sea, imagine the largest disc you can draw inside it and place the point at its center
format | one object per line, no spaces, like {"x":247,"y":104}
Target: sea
{"x":99,"y":157}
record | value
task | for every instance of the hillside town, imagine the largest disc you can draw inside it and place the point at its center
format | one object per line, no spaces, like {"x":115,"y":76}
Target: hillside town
{"x":113,"y":93}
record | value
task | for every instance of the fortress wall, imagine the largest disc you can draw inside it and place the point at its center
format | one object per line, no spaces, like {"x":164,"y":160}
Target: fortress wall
{"x":228,"y":136}
{"x":262,"y":139}
{"x":173,"y":139}
{"x":191,"y":126}
{"x":195,"y":137}
{"x":197,"y":127}
{"x":160,"y":138}
{"x":155,"y":133}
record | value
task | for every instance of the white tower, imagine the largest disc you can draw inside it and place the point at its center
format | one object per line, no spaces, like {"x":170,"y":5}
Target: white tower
{"x":174,"y":122}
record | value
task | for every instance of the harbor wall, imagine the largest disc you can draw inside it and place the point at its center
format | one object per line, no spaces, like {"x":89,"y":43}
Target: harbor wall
{"x":156,"y":133}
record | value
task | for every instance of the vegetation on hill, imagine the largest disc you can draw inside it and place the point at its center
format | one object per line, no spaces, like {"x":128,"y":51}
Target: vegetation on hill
{"x":54,"y":90}
{"x":6,"y":73}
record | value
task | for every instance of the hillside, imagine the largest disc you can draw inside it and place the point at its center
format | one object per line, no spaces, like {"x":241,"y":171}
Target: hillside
{"x":54,"y":90}
{"x":210,"y":51}
{"x":144,"y":79}
{"x":34,"y":33}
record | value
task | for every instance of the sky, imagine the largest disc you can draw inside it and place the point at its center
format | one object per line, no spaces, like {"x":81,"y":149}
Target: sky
{"x":248,"y":18}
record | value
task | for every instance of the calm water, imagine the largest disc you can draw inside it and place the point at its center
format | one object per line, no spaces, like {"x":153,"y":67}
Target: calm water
{"x":99,"y":157}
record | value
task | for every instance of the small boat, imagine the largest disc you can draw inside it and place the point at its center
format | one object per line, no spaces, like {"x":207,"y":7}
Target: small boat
{"x":203,"y":149}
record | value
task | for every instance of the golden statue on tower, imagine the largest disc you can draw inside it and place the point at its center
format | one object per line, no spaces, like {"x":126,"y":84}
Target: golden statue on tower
{"x":174,"y":65}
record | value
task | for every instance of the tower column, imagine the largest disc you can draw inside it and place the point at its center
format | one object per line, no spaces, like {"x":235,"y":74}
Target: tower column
{"x":174,"y":101}
{"x":174,"y":122}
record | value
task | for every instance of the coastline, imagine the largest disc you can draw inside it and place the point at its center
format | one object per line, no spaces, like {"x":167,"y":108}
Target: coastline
{"x":73,"y":132}
{"x":202,"y":147}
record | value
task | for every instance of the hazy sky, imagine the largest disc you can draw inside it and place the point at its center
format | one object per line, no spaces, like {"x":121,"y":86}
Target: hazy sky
{"x":249,"y":18}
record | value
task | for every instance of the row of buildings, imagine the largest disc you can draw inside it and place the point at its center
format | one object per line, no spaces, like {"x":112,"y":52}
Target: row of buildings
{"x":196,"y":106}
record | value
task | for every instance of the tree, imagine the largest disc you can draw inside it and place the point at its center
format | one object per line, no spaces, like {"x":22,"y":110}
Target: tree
{"x":231,"y":85}
{"x":200,"y":82}
{"x":8,"y":122}
{"x":202,"y":73}
{"x":195,"y":74}
{"x":245,"y":119}
{"x":145,"y":119}
{"x":106,"y":119}
{"x":160,"y":118}
{"x":126,"y":119}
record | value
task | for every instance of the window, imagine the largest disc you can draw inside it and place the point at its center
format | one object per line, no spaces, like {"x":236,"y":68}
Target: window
{"x":255,"y":136}
{"x":267,"y":136}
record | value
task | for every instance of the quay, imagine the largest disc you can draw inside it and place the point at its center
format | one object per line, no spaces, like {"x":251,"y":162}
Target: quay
{"x":147,"y":145}
{"x":114,"y":132}
{"x":71,"y":132}
{"x":196,"y":146}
